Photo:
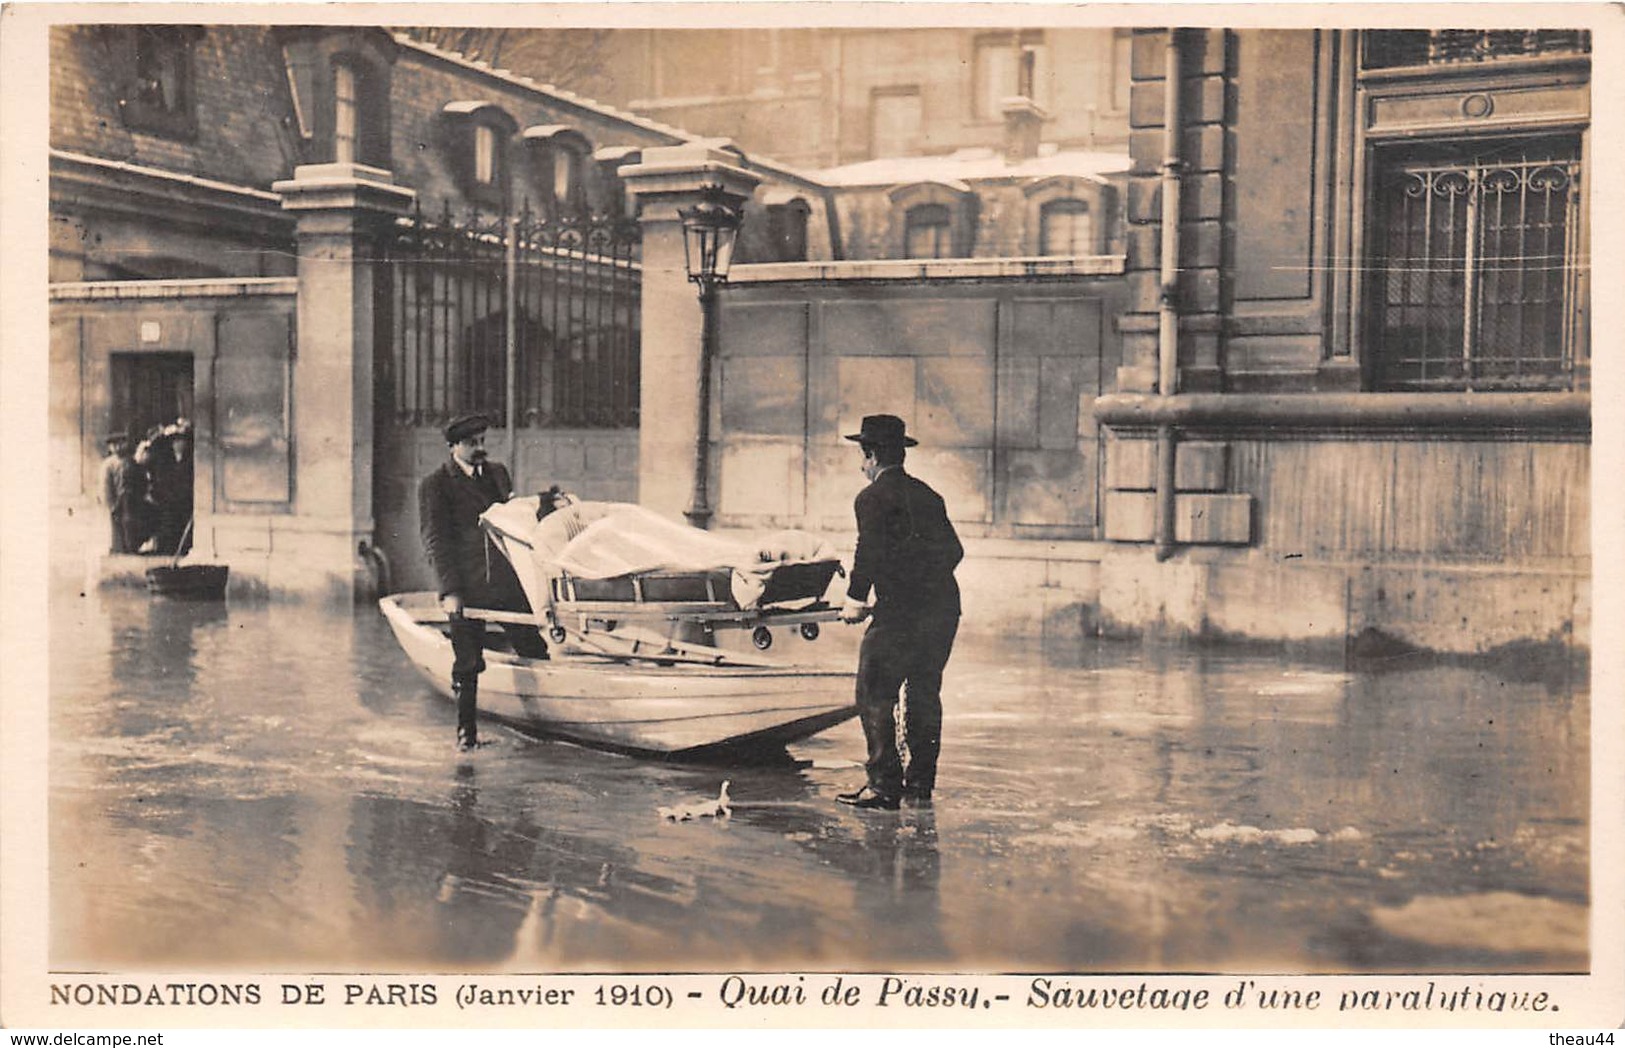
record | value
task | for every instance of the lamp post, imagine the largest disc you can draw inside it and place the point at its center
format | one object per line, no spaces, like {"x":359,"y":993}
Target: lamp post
{"x":709,"y":228}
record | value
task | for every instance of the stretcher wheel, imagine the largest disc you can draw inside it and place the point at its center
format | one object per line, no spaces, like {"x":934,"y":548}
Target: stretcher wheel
{"x":558,"y":634}
{"x":762,"y":637}
{"x":809,"y":630}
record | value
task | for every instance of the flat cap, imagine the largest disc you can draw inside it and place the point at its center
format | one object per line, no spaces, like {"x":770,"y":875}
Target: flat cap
{"x":465,"y":426}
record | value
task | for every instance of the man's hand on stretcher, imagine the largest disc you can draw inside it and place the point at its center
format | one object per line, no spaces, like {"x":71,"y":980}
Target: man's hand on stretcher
{"x":853,"y":611}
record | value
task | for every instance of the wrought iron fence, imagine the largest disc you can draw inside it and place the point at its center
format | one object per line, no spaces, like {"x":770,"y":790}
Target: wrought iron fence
{"x":1481,"y":274}
{"x":488,"y":309}
{"x":1390,"y":48}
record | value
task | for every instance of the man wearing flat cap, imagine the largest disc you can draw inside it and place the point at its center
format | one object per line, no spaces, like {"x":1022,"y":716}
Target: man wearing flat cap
{"x":907,"y":551}
{"x":471,"y":571}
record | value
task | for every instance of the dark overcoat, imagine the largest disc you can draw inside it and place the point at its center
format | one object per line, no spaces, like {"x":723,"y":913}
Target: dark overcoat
{"x":907,"y":550}
{"x":464,"y":558}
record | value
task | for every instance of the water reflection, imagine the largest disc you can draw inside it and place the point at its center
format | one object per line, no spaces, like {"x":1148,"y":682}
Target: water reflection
{"x":272,"y":786}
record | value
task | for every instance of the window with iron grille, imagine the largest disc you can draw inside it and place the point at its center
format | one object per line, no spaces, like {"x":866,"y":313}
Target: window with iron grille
{"x":1392,"y":48}
{"x":1478,"y":272}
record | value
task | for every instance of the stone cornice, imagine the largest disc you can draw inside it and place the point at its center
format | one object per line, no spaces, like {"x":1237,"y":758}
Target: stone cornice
{"x":1563,"y":416}
{"x":80,"y":182}
{"x":670,"y":177}
{"x":929,"y":269}
{"x":150,"y":290}
{"x":344,"y":187}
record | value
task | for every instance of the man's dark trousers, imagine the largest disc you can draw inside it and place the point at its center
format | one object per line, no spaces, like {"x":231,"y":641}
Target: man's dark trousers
{"x":909,"y":653}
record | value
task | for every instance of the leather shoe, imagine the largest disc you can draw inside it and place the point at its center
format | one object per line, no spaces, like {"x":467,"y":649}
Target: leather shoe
{"x":866,"y":797}
{"x":917,"y":798}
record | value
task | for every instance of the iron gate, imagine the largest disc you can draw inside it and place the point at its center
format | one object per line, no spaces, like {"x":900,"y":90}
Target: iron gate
{"x":529,"y":318}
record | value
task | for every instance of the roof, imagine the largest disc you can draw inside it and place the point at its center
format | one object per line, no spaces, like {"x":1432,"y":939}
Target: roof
{"x":557,"y":93}
{"x":974,"y":165}
{"x":759,"y":163}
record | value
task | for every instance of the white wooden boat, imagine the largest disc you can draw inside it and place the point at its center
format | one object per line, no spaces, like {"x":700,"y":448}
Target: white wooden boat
{"x":632,"y":691}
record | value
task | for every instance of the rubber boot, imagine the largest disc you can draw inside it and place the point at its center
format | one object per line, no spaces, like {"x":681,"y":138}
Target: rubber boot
{"x":468,"y":726}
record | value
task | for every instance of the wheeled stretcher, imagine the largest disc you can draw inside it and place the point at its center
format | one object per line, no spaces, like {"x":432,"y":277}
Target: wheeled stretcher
{"x":617,"y":568}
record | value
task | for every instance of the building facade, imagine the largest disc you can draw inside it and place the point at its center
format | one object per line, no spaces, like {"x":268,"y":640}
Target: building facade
{"x":932,"y":142}
{"x":1346,"y":403}
{"x":825,"y":97}
{"x":1355,"y":398}
{"x":228,"y":205}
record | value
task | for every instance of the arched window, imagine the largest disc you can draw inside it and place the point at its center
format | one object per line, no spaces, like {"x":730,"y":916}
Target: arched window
{"x":928,"y":232}
{"x":1068,"y":215}
{"x":932,"y":220}
{"x":1066,"y":227}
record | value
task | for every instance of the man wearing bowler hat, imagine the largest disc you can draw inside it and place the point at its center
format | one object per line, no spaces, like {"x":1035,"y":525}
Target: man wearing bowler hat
{"x":472,"y":572}
{"x":907,"y":551}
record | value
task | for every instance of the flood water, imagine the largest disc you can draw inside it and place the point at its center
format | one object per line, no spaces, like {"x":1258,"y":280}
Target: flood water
{"x":272,"y":787}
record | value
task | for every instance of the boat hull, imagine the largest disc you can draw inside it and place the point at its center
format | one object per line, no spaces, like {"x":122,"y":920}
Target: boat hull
{"x":640,"y":708}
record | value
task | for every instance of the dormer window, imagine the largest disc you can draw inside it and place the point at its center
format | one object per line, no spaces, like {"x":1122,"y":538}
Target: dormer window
{"x":478,"y":144}
{"x":607,"y":162}
{"x":339,"y":78}
{"x":1067,"y":216}
{"x":159,"y":95}
{"x":787,"y":229}
{"x":932,"y":220}
{"x":559,"y":165}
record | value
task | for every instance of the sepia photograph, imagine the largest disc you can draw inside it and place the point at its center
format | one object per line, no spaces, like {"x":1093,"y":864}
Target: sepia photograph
{"x":809,"y":514}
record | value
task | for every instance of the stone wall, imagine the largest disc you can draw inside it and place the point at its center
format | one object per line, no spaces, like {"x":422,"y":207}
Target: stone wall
{"x":237,"y":337}
{"x":244,"y":129}
{"x":1307,"y":506}
{"x":994,"y":373}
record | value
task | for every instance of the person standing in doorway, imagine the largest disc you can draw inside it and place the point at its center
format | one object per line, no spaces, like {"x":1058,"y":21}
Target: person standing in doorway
{"x":907,"y":551}
{"x":124,"y":493}
{"x":471,"y":571}
{"x":172,"y":476}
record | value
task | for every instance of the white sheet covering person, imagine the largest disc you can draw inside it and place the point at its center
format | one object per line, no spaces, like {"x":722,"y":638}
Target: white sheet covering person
{"x":605,"y":540}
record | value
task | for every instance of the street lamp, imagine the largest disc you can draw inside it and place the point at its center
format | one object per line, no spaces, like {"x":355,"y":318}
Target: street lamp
{"x":709,"y":229}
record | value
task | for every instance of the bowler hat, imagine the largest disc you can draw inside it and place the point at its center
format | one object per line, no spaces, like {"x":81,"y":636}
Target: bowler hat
{"x":464,"y":426}
{"x":885,"y":430}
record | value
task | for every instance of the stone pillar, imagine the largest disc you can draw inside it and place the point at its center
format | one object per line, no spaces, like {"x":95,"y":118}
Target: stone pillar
{"x":342,"y":210}
{"x":670,"y":180}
